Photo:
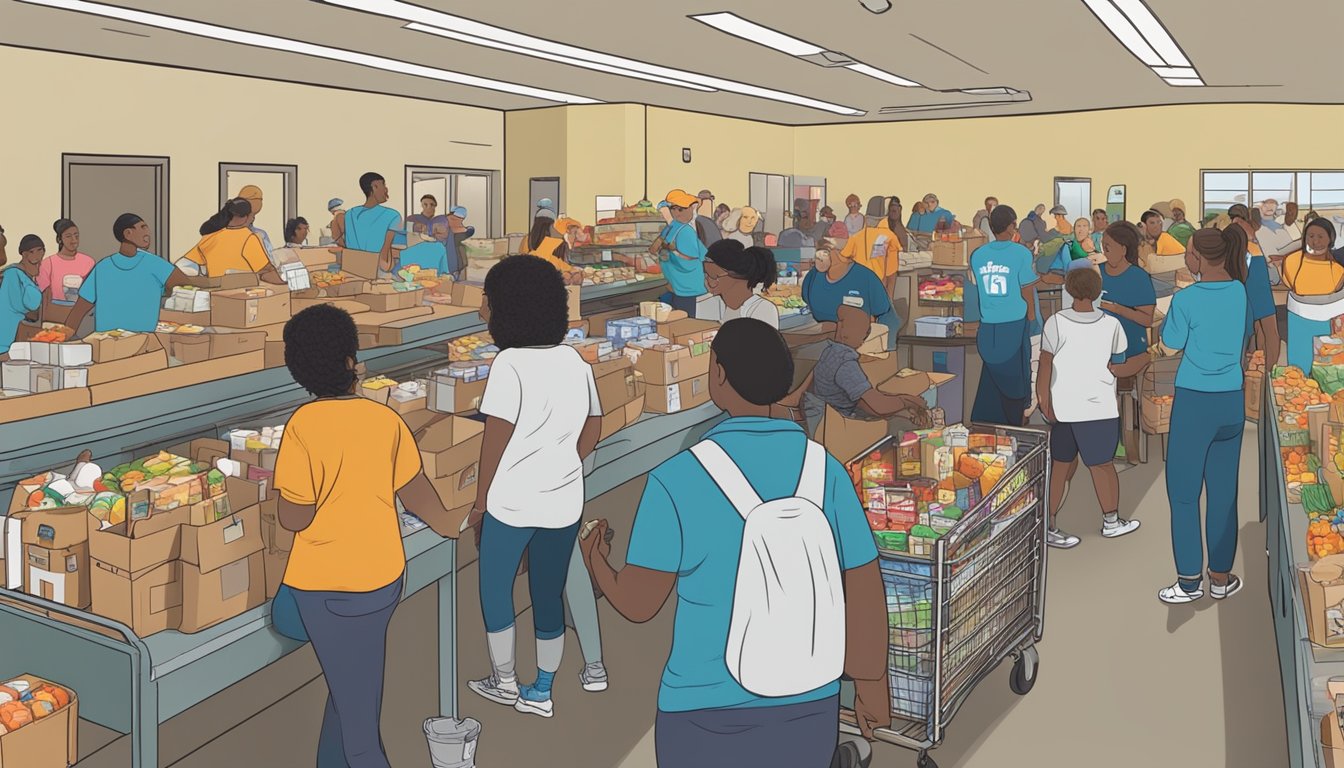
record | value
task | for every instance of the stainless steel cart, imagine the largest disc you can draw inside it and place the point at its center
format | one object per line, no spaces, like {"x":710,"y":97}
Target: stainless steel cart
{"x":979,"y":599}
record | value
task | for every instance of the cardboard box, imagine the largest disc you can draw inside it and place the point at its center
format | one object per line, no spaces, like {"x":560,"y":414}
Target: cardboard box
{"x":672,"y":398}
{"x":575,"y":302}
{"x":223,"y":572}
{"x":458,"y":490}
{"x":1159,"y":380}
{"x":137,"y":581}
{"x":117,"y":348}
{"x":241,"y":309}
{"x":468,"y":294}
{"x":202,"y":319}
{"x":351,"y":306}
{"x":689,"y":332}
{"x":1322,"y":584}
{"x":158,"y":520}
{"x":19,"y":406}
{"x":616,"y":383}
{"x":274,"y":357}
{"x":957,"y":253}
{"x":52,"y":742}
{"x":449,"y":446}
{"x":612,"y":422}
{"x":634,"y":410}
{"x":66,"y":355}
{"x":320,"y":258}
{"x":56,"y":554}
{"x":373,"y":322}
{"x":397,"y":332}
{"x":1161,"y":265}
{"x":392,"y":301}
{"x":152,"y":358}
{"x":168,"y":379}
{"x":359,"y":263}
{"x":847,"y":439}
{"x":450,"y":395}
{"x":278,"y":544}
{"x":190,"y":348}
{"x":347,"y":288}
{"x":661,"y":367}
{"x":1254,"y":389}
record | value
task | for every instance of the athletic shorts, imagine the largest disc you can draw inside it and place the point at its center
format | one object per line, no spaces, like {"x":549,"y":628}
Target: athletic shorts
{"x":1095,"y":440}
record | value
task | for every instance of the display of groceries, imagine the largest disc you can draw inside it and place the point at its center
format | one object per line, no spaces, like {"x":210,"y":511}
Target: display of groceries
{"x":1310,"y":420}
{"x":24,"y":701}
{"x":471,"y":348}
{"x":942,"y":287}
{"x":918,"y":487}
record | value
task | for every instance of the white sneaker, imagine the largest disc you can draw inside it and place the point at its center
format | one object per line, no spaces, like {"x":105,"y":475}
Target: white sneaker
{"x":491,"y":689}
{"x":1121,"y":527}
{"x":593,"y":677}
{"x":1060,"y":540}
{"x":533,"y":702}
{"x":1232,"y":587}
{"x":1176,"y":595}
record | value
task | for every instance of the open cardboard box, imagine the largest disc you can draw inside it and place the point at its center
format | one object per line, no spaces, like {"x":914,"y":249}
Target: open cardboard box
{"x":1332,"y":738}
{"x":1322,"y":584}
{"x":168,"y":379}
{"x":223,"y":572}
{"x":52,"y":742}
{"x":359,"y":263}
{"x":137,"y":581}
{"x":189,"y":348}
{"x":152,"y":357}
{"x":239,"y":309}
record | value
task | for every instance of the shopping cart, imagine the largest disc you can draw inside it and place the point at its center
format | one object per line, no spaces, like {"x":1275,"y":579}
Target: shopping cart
{"x":977,"y":600}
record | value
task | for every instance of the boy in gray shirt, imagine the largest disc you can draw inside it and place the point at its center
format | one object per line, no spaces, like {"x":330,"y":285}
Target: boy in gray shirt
{"x":840,"y":382}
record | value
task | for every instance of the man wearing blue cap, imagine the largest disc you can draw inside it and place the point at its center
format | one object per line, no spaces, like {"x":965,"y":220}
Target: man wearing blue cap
{"x":458,"y":231}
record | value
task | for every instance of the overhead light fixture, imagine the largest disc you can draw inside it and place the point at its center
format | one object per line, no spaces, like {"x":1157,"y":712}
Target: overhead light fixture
{"x":408,"y":12}
{"x":1133,"y":24}
{"x":416,"y":26}
{"x":755,"y":33}
{"x":876,"y":6}
{"x":227,"y":34}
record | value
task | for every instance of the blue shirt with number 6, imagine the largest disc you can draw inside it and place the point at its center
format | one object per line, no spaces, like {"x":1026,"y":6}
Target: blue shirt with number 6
{"x":1002,"y":269}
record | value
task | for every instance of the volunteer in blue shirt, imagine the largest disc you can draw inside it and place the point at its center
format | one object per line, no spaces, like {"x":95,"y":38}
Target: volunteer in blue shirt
{"x":125,"y":290}
{"x":834,"y":281}
{"x":1128,"y":295}
{"x":1005,"y":279}
{"x":688,"y":537}
{"x":682,"y":252}
{"x":1209,"y":322}
{"x":1259,"y":290}
{"x":19,"y":294}
{"x":933,"y":215}
{"x":373,"y":226}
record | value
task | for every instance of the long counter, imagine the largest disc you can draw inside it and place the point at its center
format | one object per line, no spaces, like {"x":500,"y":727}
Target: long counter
{"x":114,"y":431}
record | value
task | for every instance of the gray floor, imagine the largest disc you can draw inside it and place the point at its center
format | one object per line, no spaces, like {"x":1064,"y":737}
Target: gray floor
{"x":1124,"y":681}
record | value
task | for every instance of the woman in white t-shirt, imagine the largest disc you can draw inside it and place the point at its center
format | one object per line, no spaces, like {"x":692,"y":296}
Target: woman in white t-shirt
{"x":733,"y":272}
{"x":1076,"y":391}
{"x":542,"y":419}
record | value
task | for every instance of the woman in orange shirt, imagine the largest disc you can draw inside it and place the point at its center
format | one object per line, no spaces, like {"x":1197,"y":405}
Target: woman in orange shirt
{"x":548,"y":240}
{"x":228,"y":244}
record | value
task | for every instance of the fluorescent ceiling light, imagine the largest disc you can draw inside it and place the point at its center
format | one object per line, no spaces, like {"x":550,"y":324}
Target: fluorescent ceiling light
{"x":755,"y":33}
{"x":593,"y":65}
{"x":396,"y":9}
{"x":1175,"y":72}
{"x":255,"y":40}
{"x":1121,"y":27}
{"x":1153,"y":31}
{"x":864,"y":69}
{"x":1184,"y":81}
{"x":748,"y":30}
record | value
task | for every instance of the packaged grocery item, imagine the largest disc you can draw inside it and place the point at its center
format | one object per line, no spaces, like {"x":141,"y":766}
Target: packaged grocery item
{"x":902,"y":509}
{"x":892,"y":541}
{"x":878,"y":470}
{"x":909,"y":462}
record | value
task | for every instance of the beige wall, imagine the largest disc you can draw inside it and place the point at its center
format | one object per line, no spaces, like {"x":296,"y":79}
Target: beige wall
{"x":187,"y":125}
{"x":535,"y":147}
{"x":1157,"y":153}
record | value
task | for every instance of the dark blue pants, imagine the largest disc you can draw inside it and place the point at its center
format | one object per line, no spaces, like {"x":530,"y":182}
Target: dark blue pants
{"x":548,"y":553}
{"x":1204,"y":457}
{"x":349,"y":635}
{"x":1005,"y":376}
{"x":684,"y":303}
{"x":791,"y":736}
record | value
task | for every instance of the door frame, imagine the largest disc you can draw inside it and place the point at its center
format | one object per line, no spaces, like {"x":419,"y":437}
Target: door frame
{"x":559,"y":190}
{"x":160,"y":165}
{"x":496,"y":190}
{"x":290,"y":172}
{"x":1074,"y":180}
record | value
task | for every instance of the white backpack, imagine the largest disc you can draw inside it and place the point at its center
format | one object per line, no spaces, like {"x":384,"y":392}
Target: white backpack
{"x":787,"y":634}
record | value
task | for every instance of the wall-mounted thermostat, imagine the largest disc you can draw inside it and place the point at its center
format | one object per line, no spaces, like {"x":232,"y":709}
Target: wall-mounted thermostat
{"x":685,"y":154}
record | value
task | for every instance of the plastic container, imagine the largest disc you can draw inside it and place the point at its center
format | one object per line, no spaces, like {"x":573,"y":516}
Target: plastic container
{"x":452,"y":742}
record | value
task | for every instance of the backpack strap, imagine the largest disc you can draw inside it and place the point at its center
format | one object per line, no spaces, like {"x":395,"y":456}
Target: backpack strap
{"x":727,"y":476}
{"x":812,"y":480}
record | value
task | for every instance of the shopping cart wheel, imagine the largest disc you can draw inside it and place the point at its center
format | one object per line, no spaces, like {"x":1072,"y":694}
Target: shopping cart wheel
{"x":925,"y":761}
{"x":1023,"y":676}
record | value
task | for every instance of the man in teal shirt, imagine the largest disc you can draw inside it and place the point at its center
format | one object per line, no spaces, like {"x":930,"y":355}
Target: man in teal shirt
{"x":933,"y":215}
{"x":125,"y":290}
{"x":373,"y":226}
{"x":683,"y":252}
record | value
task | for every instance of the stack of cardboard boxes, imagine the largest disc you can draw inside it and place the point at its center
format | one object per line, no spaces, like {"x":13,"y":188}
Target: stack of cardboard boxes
{"x":450,"y":453}
{"x":675,"y":364}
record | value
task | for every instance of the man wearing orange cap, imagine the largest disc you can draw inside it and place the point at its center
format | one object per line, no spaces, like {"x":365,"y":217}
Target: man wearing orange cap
{"x":682,"y":252}
{"x":252,"y":194}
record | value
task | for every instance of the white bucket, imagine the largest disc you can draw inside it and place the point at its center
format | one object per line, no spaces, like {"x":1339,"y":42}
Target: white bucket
{"x":452,"y":743}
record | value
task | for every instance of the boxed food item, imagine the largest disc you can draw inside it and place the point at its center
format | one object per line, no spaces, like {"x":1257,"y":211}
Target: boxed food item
{"x":938,"y":327}
{"x":662,"y":362}
{"x":64,"y":354}
{"x":250,"y":307}
{"x":109,"y":346}
{"x":1322,"y":584}
{"x":957,"y":253}
{"x":681,"y":396}
{"x":188,"y":299}
{"x":137,"y":581}
{"x":190,"y":348}
{"x":466,"y":294}
{"x":377,"y":388}
{"x":223,"y":572}
{"x":451,"y":391}
{"x":623,"y":330}
{"x":39,"y":724}
{"x":409,"y":396}
{"x":30,"y":377}
{"x":56,"y":554}
{"x":391,"y":297}
{"x":656,"y":311}
{"x":325,"y":284}
{"x":593,"y":349}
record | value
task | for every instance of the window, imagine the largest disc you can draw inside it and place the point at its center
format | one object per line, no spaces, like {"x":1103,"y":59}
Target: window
{"x":1321,"y":191}
{"x":451,"y":187}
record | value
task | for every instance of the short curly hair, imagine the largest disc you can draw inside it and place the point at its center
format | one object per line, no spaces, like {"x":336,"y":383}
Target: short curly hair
{"x":529,"y":304}
{"x":318,"y":343}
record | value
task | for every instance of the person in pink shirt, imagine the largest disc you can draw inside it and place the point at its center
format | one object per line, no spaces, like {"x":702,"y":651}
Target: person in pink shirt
{"x":63,"y":272}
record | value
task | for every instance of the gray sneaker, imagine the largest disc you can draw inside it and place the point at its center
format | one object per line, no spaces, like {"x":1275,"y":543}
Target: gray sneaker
{"x":492,"y":690}
{"x":594,"y":677}
{"x":1121,"y":528}
{"x":1060,"y":540}
{"x":852,"y":752}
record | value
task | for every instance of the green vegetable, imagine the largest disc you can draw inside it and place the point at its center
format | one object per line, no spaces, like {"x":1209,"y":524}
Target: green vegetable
{"x":1316,"y":499}
{"x":924,"y":532}
{"x":1330,"y":377}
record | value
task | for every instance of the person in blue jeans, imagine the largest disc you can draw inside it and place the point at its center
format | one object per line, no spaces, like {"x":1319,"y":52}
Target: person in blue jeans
{"x":542,"y":418}
{"x":688,"y":537}
{"x":1005,"y":279}
{"x":1209,"y":323}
